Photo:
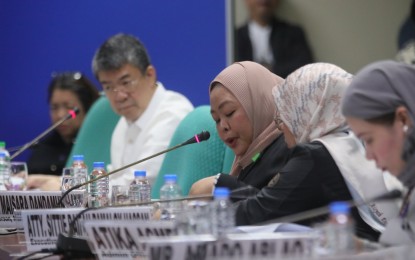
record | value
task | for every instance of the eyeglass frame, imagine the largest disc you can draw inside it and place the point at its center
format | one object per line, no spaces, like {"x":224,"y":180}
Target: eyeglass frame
{"x":278,"y":121}
{"x":127,"y":87}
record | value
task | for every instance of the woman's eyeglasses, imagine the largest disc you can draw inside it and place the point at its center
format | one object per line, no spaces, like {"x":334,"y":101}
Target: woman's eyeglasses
{"x":278,"y":121}
{"x":76,"y":75}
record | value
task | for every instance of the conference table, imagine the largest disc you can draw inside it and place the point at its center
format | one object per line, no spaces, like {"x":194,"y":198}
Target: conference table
{"x":12,"y":246}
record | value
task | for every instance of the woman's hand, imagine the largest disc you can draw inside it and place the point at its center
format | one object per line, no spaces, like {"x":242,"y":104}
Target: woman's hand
{"x":44,"y":182}
{"x":203,"y":187}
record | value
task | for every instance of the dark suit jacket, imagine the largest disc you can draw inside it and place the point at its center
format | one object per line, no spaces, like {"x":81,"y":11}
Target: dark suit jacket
{"x":49,"y":155}
{"x":288,"y":43}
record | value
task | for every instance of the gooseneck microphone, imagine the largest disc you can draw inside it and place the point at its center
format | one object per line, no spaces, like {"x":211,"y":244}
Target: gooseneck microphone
{"x":71,"y":114}
{"x":77,"y":247}
{"x":391,"y":195}
{"x":203,"y":136}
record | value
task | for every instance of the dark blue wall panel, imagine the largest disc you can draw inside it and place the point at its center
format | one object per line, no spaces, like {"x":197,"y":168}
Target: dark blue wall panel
{"x":185,"y":39}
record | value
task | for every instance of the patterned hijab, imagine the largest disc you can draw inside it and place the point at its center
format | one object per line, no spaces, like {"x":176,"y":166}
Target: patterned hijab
{"x":308,"y":102}
{"x":251,"y":84}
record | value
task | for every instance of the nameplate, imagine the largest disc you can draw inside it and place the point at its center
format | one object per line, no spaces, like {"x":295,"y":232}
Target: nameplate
{"x":290,"y":245}
{"x":42,"y":227}
{"x":19,"y":200}
{"x":125,"y":239}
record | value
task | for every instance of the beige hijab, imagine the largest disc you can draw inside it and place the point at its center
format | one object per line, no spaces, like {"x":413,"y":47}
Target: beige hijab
{"x":252,"y":84}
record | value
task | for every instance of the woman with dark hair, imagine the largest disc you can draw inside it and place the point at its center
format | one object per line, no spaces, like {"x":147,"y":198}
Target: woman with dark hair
{"x":66,"y":91}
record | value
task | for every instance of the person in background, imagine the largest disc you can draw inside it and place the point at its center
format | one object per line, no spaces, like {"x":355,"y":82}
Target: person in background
{"x":243,"y":109}
{"x":406,"y":39}
{"x":379,"y":106}
{"x":150,"y":113}
{"x":66,"y":91}
{"x":270,"y":41}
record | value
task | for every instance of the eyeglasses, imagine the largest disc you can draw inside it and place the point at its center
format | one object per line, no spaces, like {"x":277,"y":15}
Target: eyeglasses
{"x":76,"y":75}
{"x":126,"y":86}
{"x":278,"y":121}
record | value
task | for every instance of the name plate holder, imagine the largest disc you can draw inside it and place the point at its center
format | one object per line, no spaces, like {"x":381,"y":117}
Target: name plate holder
{"x":20,"y":200}
{"x":42,"y":227}
{"x":125,"y":240}
{"x":284,"y":245}
{"x":158,"y":240}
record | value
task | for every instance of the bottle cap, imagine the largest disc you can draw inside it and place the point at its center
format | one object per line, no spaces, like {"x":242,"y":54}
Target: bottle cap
{"x":78,"y":157}
{"x":170,"y":178}
{"x":138,"y":173}
{"x":221,"y":192}
{"x":98,"y":164}
{"x":339,"y":207}
{"x":2,"y":144}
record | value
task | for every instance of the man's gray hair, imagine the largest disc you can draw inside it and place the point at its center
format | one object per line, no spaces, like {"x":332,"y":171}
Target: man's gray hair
{"x":119,"y":50}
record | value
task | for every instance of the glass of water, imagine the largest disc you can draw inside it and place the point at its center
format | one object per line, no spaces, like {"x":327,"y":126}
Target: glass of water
{"x":77,"y":197}
{"x":17,"y":178}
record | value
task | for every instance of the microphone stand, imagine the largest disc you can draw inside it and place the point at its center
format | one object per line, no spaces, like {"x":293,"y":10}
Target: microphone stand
{"x":72,"y":114}
{"x":77,"y":247}
{"x":204,"y":135}
{"x":394,"y":194}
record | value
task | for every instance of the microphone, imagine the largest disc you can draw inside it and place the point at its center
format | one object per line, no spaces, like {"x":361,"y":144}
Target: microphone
{"x":77,"y":247}
{"x":393,"y":194}
{"x":71,"y":114}
{"x":203,"y":136}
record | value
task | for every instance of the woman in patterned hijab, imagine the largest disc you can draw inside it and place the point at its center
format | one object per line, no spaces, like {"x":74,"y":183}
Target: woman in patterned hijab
{"x":309,"y":111}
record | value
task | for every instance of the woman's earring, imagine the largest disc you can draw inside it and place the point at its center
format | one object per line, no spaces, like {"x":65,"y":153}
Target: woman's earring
{"x":405,"y":128}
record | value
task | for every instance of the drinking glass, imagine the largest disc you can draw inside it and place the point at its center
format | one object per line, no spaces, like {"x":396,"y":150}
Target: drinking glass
{"x":77,"y":197}
{"x":119,"y":194}
{"x":18,"y":176}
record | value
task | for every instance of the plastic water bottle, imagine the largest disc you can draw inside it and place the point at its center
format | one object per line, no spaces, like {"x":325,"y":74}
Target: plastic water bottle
{"x":223,"y":212}
{"x":140,"y":189}
{"x":170,"y":190}
{"x":98,"y":190}
{"x":340,"y":229}
{"x":80,"y":170}
{"x":4,"y":169}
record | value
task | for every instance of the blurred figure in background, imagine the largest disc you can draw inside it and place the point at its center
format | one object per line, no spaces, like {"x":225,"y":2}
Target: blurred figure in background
{"x":66,"y":91}
{"x":270,"y":41}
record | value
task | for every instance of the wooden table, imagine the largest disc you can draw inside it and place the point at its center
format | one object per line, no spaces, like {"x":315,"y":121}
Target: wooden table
{"x":12,"y":246}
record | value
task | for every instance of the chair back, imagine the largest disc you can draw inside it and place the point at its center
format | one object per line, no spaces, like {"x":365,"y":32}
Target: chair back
{"x":94,"y":138}
{"x":195,"y":161}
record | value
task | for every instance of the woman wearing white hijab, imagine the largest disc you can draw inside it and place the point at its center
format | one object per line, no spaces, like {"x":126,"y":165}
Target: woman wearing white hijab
{"x":380,"y":108}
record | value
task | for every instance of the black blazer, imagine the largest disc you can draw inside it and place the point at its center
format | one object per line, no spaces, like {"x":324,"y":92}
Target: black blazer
{"x":288,"y":43}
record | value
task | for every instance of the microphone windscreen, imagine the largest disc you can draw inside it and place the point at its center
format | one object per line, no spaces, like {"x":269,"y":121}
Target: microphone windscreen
{"x":203,"y":136}
{"x":76,"y":110}
{"x":72,"y":113}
